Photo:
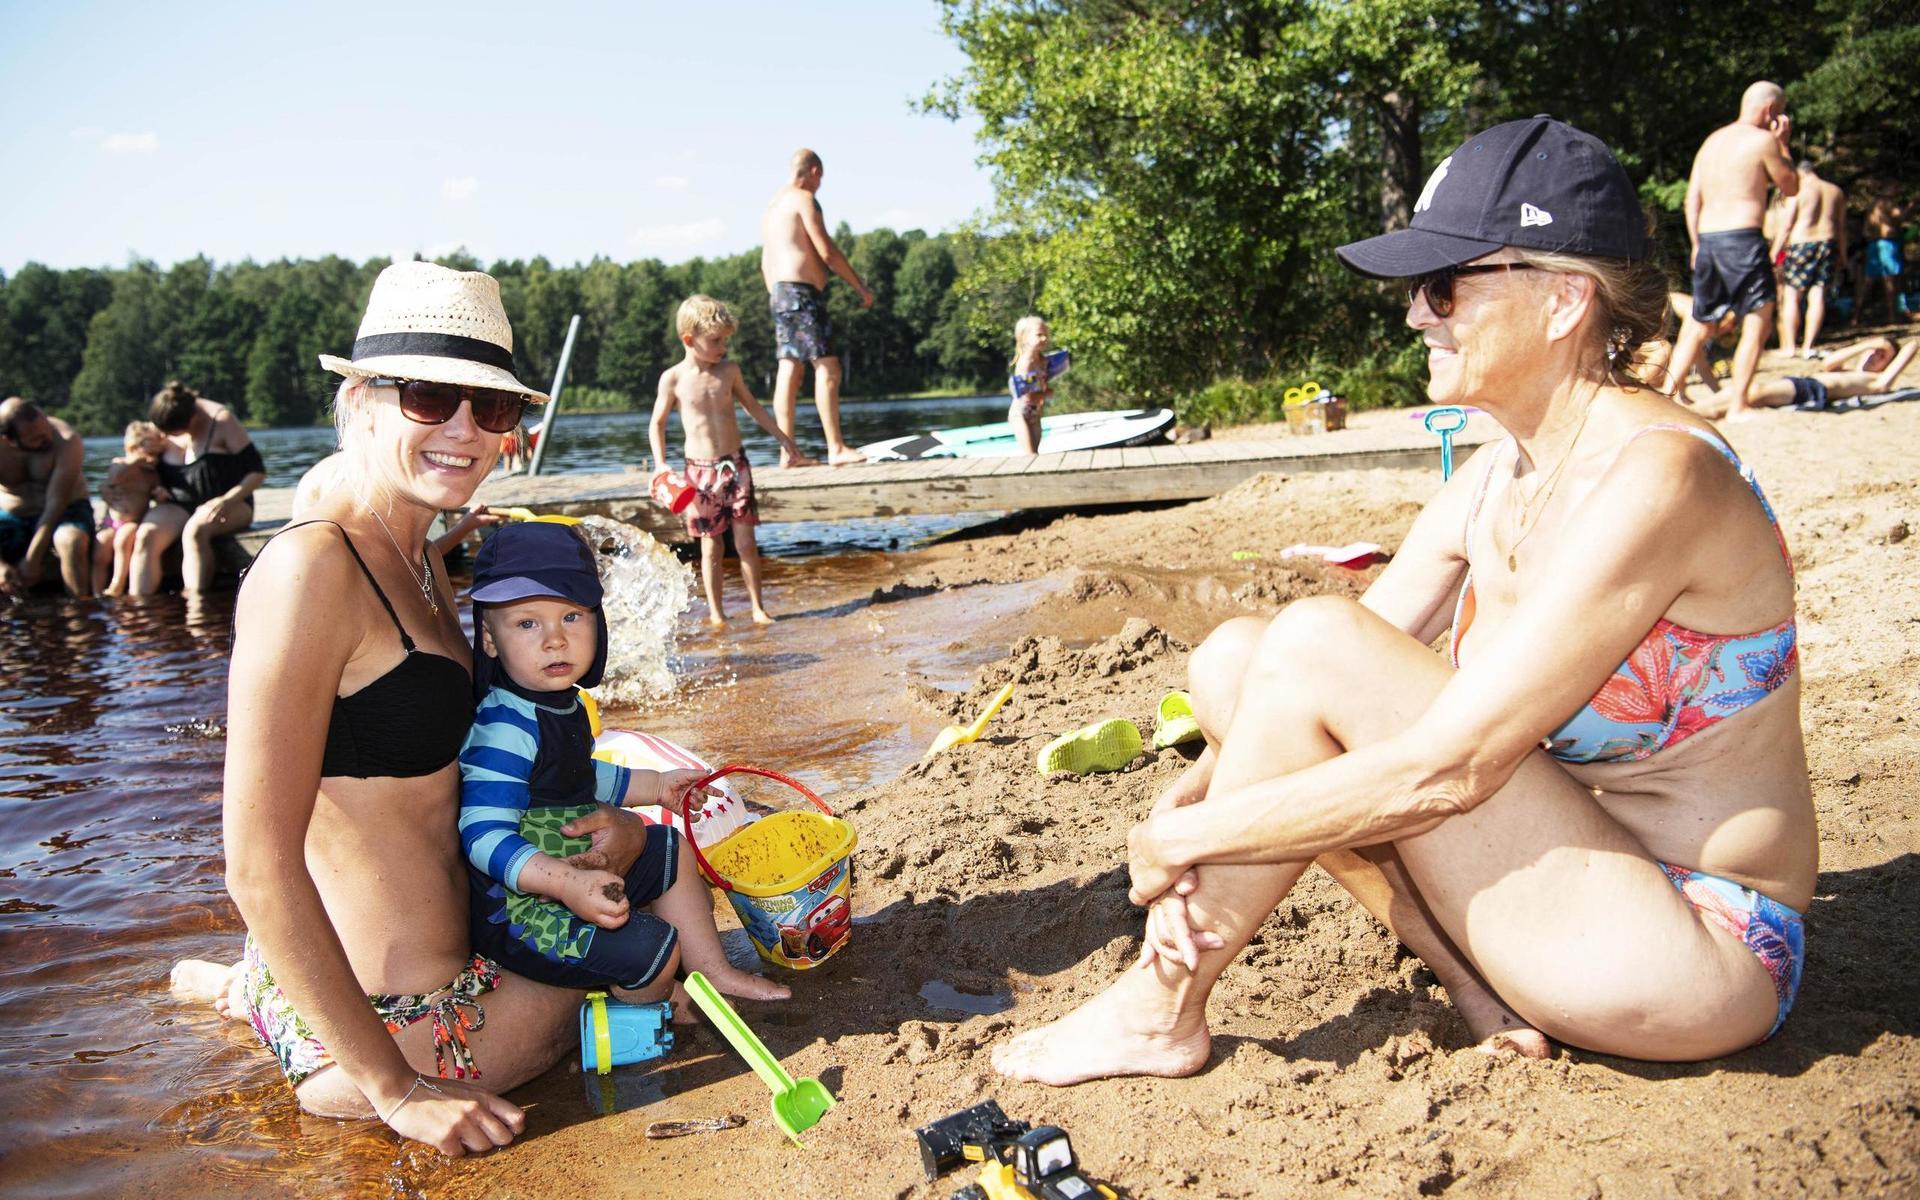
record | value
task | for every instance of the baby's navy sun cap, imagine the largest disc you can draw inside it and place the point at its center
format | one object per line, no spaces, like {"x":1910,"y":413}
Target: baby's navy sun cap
{"x":527,"y":560}
{"x":1539,"y":184}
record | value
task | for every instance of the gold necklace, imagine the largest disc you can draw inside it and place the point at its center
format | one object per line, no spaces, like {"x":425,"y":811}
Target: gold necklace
{"x":1527,"y":517}
{"x":424,"y":578}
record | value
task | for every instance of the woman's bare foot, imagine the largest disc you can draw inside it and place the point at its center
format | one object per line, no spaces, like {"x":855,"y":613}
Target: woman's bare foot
{"x":717,"y":620}
{"x":732,"y":981}
{"x":1494,"y":1027}
{"x":762,"y":617}
{"x":1129,"y":1029}
{"x":802,"y":461}
{"x":212,"y":983}
{"x":845,"y":457}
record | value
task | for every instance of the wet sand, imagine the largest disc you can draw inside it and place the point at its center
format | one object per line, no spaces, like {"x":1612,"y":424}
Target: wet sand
{"x":991,"y":900}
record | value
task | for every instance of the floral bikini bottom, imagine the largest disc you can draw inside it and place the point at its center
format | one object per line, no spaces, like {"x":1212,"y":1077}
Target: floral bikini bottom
{"x":454,"y":1010}
{"x":1775,"y":933}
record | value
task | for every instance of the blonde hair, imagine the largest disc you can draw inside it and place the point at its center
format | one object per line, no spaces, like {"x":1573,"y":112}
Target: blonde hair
{"x":702,"y":315}
{"x":1026,"y":331}
{"x":138,"y":434}
{"x":1628,"y":329}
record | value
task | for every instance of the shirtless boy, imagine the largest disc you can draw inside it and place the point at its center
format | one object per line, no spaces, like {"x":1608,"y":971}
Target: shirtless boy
{"x":795,"y":255}
{"x":706,"y":386}
{"x":1883,"y":255}
{"x":1813,"y":230}
{"x":1726,"y":202}
{"x":43,"y":500}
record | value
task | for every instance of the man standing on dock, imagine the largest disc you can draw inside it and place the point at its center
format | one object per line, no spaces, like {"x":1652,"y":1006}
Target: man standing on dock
{"x":1726,"y":198}
{"x":795,"y":255}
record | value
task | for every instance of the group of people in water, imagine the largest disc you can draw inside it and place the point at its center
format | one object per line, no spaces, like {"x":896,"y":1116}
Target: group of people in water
{"x":1590,"y":815}
{"x":187,"y":477}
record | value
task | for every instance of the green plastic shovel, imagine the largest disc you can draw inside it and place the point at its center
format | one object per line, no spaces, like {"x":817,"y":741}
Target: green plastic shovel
{"x":797,"y":1104}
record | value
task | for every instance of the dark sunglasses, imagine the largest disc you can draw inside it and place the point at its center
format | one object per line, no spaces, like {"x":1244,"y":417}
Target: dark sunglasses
{"x":1438,"y":285}
{"x":428,"y":403}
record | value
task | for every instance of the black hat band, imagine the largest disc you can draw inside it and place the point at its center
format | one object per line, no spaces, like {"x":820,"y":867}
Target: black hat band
{"x":434,"y":345}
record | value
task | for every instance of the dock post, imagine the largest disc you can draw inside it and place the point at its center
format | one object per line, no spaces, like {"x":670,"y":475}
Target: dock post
{"x":553,"y":403}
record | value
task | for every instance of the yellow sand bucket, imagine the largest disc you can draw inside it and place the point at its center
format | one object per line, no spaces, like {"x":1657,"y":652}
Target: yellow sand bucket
{"x":789,"y":877}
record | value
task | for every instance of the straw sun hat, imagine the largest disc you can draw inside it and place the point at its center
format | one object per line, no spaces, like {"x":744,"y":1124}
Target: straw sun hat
{"x":435,"y":324}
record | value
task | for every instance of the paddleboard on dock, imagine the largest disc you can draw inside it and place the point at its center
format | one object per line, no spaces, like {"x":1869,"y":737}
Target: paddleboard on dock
{"x":1069,"y":431}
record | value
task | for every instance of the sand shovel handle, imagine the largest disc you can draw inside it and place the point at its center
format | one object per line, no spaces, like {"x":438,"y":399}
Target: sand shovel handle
{"x":686,"y":814}
{"x":741,"y":1038}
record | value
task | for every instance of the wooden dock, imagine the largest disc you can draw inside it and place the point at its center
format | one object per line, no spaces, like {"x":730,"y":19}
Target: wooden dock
{"x":1134,"y":474}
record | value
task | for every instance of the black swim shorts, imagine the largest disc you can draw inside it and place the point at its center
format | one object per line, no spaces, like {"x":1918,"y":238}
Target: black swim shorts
{"x":1809,"y":264}
{"x":801,"y":329}
{"x":1809,"y":395}
{"x":1732,"y":271}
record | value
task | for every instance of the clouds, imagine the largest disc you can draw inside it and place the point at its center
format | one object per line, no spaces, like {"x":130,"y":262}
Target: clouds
{"x":664,"y":240}
{"x":672,"y":183}
{"x":460,"y":187}
{"x":118,"y":142}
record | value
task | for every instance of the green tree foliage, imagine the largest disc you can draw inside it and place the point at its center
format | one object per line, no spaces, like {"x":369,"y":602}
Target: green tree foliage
{"x":95,"y":345}
{"x":1172,"y":175}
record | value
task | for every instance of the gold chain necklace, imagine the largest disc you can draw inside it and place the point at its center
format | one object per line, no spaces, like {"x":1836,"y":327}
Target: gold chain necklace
{"x":1528,"y":518}
{"x":423,"y":578}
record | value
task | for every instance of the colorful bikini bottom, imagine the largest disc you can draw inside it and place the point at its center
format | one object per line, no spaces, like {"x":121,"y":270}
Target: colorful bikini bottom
{"x":1775,"y":933}
{"x":454,"y":1009}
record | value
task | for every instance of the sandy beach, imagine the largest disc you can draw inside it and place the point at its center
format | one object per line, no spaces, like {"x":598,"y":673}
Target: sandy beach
{"x":1338,"y":1066}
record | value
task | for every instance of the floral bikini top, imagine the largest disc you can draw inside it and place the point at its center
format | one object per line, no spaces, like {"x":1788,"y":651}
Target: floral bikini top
{"x":1677,"y":682}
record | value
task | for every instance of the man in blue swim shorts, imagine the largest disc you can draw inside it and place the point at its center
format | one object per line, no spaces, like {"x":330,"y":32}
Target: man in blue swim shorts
{"x":1726,"y":198}
{"x":1883,"y":257}
{"x":43,"y":500}
{"x":796,"y":254}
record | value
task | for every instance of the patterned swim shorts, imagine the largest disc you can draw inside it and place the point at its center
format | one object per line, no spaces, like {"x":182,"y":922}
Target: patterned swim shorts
{"x":454,"y":1010}
{"x":1809,"y":265}
{"x":801,"y":329}
{"x":722,"y":495}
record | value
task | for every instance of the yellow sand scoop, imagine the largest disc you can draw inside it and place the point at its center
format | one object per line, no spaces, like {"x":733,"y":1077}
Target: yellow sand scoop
{"x":953,"y":735}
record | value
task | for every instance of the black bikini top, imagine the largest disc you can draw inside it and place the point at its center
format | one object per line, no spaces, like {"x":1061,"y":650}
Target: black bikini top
{"x":411,"y":721}
{"x":210,"y":473}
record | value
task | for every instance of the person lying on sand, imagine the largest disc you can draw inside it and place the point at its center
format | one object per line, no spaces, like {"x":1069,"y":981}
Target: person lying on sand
{"x":1627,"y":878}
{"x":1876,"y":362}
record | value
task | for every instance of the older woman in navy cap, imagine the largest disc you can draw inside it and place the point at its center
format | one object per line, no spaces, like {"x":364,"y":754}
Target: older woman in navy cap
{"x":1590,"y":815}
{"x":349,"y":699}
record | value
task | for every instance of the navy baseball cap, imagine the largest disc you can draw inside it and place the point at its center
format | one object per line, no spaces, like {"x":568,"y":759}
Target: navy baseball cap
{"x":525,"y":560}
{"x":1539,"y":183}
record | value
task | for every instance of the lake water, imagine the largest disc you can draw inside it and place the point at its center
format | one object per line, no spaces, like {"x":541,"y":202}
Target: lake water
{"x":590,"y":442}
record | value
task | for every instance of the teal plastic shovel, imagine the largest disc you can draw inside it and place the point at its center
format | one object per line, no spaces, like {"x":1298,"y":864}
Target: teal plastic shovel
{"x":797,"y":1104}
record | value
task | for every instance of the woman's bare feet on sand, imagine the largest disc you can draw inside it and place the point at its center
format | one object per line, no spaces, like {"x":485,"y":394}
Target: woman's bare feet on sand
{"x":1495,"y":1028}
{"x":213,"y":983}
{"x":1126,"y":1030}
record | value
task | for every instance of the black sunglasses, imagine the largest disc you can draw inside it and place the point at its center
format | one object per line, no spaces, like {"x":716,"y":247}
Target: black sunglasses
{"x":429,"y":403}
{"x":1438,"y":285}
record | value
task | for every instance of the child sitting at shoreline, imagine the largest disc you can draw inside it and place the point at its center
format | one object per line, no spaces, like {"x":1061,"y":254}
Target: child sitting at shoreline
{"x":131,"y":487}
{"x":527,"y":770}
{"x":1031,"y":337}
{"x":706,"y":387}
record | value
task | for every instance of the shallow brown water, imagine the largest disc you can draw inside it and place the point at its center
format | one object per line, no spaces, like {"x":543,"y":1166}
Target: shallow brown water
{"x":111,"y":745}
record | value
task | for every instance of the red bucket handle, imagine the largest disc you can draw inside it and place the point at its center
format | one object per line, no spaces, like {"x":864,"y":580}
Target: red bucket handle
{"x":686,"y":815}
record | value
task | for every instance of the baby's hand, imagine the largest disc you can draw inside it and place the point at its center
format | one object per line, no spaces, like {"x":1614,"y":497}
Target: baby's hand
{"x":672,"y":783}
{"x":599,"y":897}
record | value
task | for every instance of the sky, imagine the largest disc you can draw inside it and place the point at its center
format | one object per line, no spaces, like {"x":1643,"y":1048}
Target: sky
{"x":567,"y":129}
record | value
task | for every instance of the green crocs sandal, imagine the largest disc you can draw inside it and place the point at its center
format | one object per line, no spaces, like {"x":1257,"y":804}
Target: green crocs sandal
{"x":1108,"y":746}
{"x":1177,"y":723}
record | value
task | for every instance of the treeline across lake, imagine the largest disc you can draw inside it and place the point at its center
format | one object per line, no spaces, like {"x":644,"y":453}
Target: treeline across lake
{"x":93,"y":345}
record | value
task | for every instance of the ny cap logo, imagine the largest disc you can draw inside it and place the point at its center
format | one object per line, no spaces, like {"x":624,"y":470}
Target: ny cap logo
{"x":1425,"y":201}
{"x":1529,"y":215}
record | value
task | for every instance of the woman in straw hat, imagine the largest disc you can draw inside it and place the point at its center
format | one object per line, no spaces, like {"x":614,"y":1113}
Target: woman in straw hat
{"x":349,"y":699}
{"x":1591,"y":817}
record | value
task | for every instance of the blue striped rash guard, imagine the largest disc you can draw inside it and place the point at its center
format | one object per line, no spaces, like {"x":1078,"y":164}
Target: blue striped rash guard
{"x":521,"y":755}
